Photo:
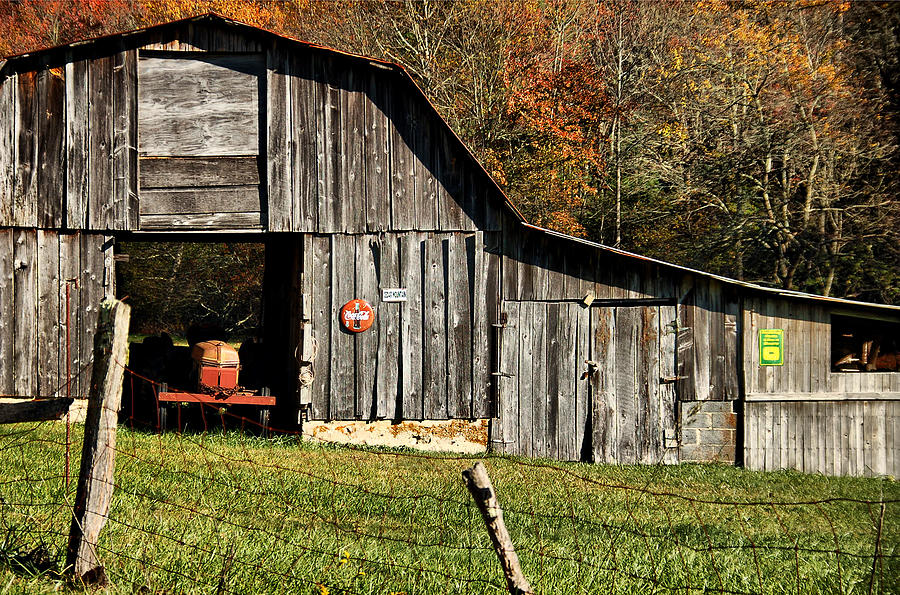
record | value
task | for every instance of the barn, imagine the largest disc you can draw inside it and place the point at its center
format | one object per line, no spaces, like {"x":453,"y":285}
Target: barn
{"x":339,"y":165}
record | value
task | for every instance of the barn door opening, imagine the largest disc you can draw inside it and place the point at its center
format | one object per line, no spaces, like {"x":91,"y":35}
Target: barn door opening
{"x":633,"y":384}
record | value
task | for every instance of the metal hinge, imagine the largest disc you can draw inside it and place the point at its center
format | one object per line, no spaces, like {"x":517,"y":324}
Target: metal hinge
{"x":671,"y":379}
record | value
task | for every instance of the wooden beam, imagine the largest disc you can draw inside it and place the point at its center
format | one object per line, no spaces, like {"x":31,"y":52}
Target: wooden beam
{"x":95,"y":480}
{"x":13,"y":412}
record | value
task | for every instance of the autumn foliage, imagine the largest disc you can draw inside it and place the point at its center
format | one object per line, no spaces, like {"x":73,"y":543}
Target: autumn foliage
{"x":756,"y":139}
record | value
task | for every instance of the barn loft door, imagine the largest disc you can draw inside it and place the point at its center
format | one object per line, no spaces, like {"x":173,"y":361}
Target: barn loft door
{"x":632,"y":387}
{"x":544,"y":402}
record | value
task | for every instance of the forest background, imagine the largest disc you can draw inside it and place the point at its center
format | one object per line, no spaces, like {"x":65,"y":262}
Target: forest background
{"x":753,"y":139}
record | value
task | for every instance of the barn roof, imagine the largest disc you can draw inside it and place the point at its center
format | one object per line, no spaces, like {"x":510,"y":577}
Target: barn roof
{"x":258,"y":32}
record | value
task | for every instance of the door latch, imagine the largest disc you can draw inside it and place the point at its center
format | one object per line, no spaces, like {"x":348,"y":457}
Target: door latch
{"x":671,"y":379}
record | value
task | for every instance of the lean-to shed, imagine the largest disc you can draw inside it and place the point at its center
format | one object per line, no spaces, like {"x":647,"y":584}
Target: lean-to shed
{"x":341,"y":167}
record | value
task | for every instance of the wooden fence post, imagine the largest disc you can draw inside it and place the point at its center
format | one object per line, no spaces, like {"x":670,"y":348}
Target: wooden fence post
{"x":482,"y":491}
{"x":95,"y":480}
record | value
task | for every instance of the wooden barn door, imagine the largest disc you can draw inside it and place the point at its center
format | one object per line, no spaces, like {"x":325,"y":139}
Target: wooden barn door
{"x":544,"y":401}
{"x":632,"y":384}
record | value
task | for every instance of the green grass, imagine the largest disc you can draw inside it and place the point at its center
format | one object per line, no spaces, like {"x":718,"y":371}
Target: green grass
{"x":233,"y":513}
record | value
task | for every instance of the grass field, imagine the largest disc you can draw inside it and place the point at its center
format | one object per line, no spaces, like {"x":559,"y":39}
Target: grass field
{"x":231,"y":513}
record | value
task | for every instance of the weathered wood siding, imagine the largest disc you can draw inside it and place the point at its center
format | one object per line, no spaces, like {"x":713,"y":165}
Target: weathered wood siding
{"x":342,"y":144}
{"x":38,"y":320}
{"x":807,"y":355}
{"x":848,"y":437}
{"x":426,"y":358}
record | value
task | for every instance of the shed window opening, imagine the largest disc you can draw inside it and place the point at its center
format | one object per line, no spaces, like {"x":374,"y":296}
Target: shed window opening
{"x":864,"y":345}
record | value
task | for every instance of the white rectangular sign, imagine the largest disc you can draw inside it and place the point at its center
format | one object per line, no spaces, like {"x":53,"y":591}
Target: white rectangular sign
{"x":393,"y":295}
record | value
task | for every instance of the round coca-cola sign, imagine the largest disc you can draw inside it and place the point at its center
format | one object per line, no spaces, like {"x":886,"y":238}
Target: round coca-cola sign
{"x":357,"y":316}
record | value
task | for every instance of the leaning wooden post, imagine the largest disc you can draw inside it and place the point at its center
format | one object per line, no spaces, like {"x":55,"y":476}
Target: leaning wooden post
{"x":95,"y":480}
{"x":482,"y":491}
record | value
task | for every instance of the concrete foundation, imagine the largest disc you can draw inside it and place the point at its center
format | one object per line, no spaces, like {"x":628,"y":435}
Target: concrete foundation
{"x":708,"y":431}
{"x":461,"y":436}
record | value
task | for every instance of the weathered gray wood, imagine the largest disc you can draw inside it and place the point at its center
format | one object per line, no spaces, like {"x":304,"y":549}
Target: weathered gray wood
{"x":353,"y":150}
{"x":7,"y":311}
{"x":8,"y":146}
{"x":330,"y":167}
{"x":479,"y":485}
{"x":524,"y":378}
{"x":539,"y":393}
{"x":48,"y":313}
{"x":25,"y":265}
{"x":582,"y":384}
{"x":250,"y":220}
{"x":77,"y":142}
{"x":199,"y":105}
{"x":90,"y":294}
{"x":511,"y":317}
{"x":316,"y":281}
{"x":368,"y":253}
{"x":22,"y":411}
{"x":483,"y":314}
{"x":703,"y":328}
{"x":192,"y":172}
{"x":570,"y":369}
{"x":555,"y":377}
{"x":685,"y":386}
{"x":305,"y":109}
{"x":625,"y":375}
{"x":603,"y":405}
{"x":423,"y":147}
{"x":667,"y":367}
{"x":100,"y":121}
{"x":95,"y":479}
{"x":50,"y":125}
{"x":212,"y":200}
{"x":388,"y":360}
{"x":343,"y":344}
{"x":460,"y":288}
{"x":124,"y":140}
{"x":69,"y":306}
{"x":377,"y":154}
{"x":434,"y":358}
{"x":403,"y":165}
{"x":652,"y":440}
{"x":278,"y":139}
{"x":411,"y":327}
{"x":24,"y":208}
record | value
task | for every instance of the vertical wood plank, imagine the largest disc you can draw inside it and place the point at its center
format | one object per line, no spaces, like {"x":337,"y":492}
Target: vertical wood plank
{"x":509,"y":357}
{"x":377,"y":154}
{"x":123,"y":152}
{"x":687,"y":380}
{"x":582,"y":384}
{"x":304,"y":104}
{"x":8,"y":146}
{"x":484,"y":298}
{"x":653,"y":438}
{"x":50,"y":123}
{"x":90,"y":294}
{"x":25,"y":313}
{"x":554,"y":360}
{"x":77,"y":142}
{"x":426,"y":192}
{"x":411,"y":327}
{"x":7,"y":311}
{"x":732,"y":368}
{"x":24,"y":208}
{"x":524,"y":380}
{"x":567,"y":368}
{"x":459,"y":328}
{"x":434,"y":373}
{"x":100,"y":124}
{"x":48,"y":312}
{"x":343,"y":347}
{"x":318,"y":279}
{"x":330,"y":166}
{"x":666,"y":392}
{"x":278,"y":136}
{"x":541,"y":337}
{"x":368,"y":253}
{"x":705,"y":328}
{"x":603,"y":420}
{"x":389,"y":320}
{"x":353,"y":150}
{"x":404,"y":179}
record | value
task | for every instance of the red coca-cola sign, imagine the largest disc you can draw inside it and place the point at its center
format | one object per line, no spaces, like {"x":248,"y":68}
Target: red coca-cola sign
{"x":357,"y":316}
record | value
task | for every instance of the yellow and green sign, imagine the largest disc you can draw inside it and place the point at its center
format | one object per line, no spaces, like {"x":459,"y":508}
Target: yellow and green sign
{"x":771,"y":347}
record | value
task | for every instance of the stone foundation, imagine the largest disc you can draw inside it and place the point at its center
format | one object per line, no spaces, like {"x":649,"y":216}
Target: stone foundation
{"x":461,"y":436}
{"x":708,"y":431}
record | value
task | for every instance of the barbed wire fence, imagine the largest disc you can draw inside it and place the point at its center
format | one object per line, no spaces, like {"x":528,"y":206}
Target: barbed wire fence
{"x":224,"y":511}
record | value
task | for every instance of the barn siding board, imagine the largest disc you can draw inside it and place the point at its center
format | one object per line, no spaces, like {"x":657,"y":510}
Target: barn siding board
{"x":525,"y":368}
{"x":484,"y":313}
{"x":278,"y":136}
{"x":368,"y":254}
{"x":25,"y":332}
{"x":403,"y":166}
{"x":123,"y":145}
{"x":24,"y":207}
{"x":377,"y":156}
{"x":100,"y":106}
{"x":411,"y":327}
{"x":388,"y":321}
{"x":50,"y":121}
{"x":77,"y":143}
{"x":214,"y":199}
{"x":434,"y":368}
{"x":603,"y":406}
{"x":330,"y":167}
{"x":424,"y":153}
{"x":8,"y":145}
{"x":7,"y":311}
{"x":459,"y":329}
{"x":317,"y":251}
{"x":197,"y":172}
{"x":686,"y":382}
{"x":343,"y":346}
{"x":353,"y":142}
{"x":304,"y":99}
{"x":207,"y":221}
{"x":48,"y":310}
